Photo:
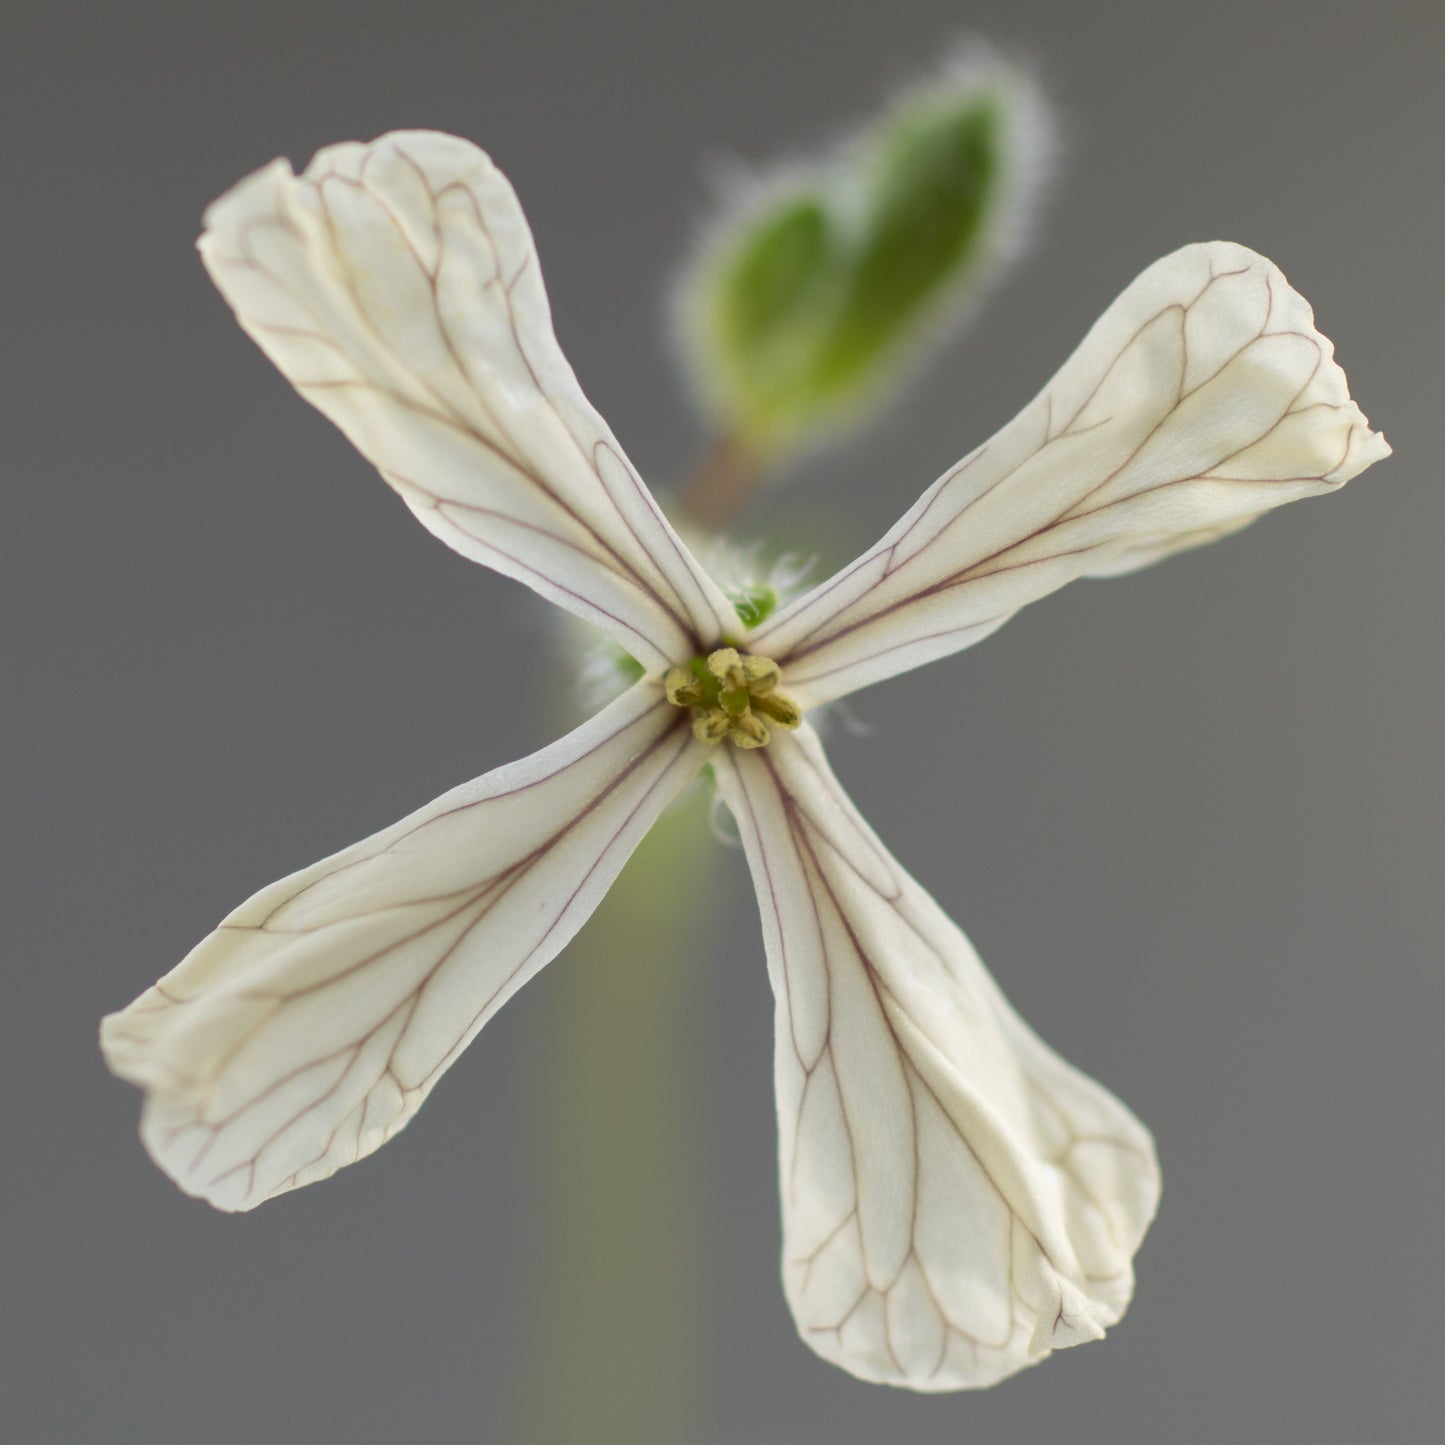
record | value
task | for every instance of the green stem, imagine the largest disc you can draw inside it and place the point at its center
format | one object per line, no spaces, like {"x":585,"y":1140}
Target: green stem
{"x":615,"y":1351}
{"x":723,"y":481}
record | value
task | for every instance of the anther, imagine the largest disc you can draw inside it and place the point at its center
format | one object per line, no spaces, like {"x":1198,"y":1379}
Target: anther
{"x":681,"y":687}
{"x":749,"y":732}
{"x":762,"y":675}
{"x":782,"y":710}
{"x":711,"y":727}
{"x":727,"y":666}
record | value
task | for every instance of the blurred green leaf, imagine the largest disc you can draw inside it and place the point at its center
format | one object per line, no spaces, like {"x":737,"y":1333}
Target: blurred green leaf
{"x":935,"y":180}
{"x":807,"y":306}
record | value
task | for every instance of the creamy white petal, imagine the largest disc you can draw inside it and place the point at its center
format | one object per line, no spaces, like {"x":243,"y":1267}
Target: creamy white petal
{"x":397,"y":287}
{"x":957,"y":1200}
{"x":308,"y":1028}
{"x":1202,"y":397}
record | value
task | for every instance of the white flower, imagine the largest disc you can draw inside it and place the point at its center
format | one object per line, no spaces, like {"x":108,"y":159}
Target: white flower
{"x":957,"y":1200}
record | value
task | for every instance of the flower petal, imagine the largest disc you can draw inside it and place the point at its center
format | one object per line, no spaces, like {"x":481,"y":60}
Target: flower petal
{"x":308,"y":1028}
{"x":397,"y":287}
{"x":1202,"y":397}
{"x":957,"y":1200}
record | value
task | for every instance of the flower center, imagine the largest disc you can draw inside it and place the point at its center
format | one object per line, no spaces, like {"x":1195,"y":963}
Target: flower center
{"x":732,"y":695}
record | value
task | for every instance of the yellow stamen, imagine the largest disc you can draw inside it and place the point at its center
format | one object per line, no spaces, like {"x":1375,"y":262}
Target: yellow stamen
{"x":732,"y":695}
{"x":782,"y":710}
{"x":711,"y":727}
{"x":682,"y":688}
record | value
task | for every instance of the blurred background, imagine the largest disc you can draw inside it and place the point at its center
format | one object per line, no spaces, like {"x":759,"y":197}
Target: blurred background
{"x":1192,"y":818}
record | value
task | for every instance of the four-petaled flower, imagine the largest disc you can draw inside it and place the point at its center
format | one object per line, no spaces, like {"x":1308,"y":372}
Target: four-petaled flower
{"x":956,"y":1199}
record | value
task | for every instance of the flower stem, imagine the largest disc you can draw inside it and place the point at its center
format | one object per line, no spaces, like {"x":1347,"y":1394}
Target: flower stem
{"x":723,"y":481}
{"x":615,"y":1350}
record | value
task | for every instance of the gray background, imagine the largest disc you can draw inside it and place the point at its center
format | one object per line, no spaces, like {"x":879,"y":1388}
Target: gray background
{"x":1192,"y":818}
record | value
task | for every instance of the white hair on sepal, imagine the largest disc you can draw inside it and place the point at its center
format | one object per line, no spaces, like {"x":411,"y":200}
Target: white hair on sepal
{"x":740,"y":569}
{"x":788,"y":575}
{"x":720,"y":819}
{"x":840,"y":714}
{"x":740,"y":192}
{"x":594,"y":668}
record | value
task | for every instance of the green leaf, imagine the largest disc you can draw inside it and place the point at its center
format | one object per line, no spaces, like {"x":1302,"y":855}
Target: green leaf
{"x":810,"y":304}
{"x":935,"y":179}
{"x":768,"y":295}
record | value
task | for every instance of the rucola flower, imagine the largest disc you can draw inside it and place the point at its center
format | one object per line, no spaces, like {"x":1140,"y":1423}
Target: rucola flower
{"x":957,"y":1200}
